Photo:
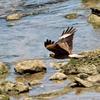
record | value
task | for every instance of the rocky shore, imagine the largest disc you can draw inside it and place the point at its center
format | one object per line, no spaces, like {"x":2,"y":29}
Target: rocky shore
{"x":82,"y":72}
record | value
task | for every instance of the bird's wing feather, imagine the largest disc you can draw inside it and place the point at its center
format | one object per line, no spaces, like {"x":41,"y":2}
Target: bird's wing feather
{"x":50,"y":45}
{"x":66,"y":39}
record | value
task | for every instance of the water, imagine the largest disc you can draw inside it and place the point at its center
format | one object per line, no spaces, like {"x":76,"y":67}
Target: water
{"x":23,"y":39}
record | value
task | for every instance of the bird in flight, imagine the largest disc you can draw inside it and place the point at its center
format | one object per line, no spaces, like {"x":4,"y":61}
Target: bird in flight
{"x":95,"y":11}
{"x":63,"y":47}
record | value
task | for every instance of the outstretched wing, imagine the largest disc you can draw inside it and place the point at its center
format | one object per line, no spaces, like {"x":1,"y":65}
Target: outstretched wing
{"x":66,"y":39}
{"x":64,"y":44}
{"x":54,"y":47}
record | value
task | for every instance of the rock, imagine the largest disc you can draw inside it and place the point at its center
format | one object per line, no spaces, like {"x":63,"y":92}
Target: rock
{"x":4,"y":97}
{"x":58,"y":76}
{"x":34,"y":82}
{"x":88,"y":69}
{"x":90,"y":64}
{"x":84,"y":83}
{"x":30,"y":66}
{"x":94,"y":78}
{"x":94,"y":19}
{"x":14,"y":88}
{"x":3,"y":68}
{"x":83,"y":75}
{"x":71,"y":16}
{"x":14,"y":16}
{"x":21,"y":87}
{"x":58,"y":65}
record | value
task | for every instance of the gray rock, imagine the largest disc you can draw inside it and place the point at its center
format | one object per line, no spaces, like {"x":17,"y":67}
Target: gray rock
{"x":30,"y":66}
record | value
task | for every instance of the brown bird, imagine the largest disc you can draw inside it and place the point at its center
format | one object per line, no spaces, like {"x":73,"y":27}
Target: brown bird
{"x":63,"y":47}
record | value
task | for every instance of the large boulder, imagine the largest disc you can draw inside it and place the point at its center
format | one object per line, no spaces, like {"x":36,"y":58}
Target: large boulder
{"x":30,"y":66}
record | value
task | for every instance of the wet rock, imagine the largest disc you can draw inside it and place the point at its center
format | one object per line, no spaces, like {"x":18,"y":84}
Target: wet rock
{"x":71,"y":16}
{"x":14,"y":88}
{"x":94,"y":78}
{"x":3,"y":68}
{"x":14,"y":16}
{"x":4,"y":97}
{"x":58,"y":76}
{"x":30,"y":66}
{"x":81,"y":83}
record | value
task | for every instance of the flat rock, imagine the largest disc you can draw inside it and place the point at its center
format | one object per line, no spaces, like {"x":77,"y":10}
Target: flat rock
{"x":84,"y":83}
{"x":58,"y":76}
{"x":30,"y":66}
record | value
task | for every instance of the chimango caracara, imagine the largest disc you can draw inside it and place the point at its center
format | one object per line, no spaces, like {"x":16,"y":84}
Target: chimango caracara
{"x":63,"y":47}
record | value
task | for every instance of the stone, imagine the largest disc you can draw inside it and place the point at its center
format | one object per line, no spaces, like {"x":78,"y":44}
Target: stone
{"x":30,"y":66}
{"x":4,"y":97}
{"x":14,"y":16}
{"x":58,"y":76}
{"x":84,"y":83}
{"x":94,"y":20}
{"x":13,"y":87}
{"x":89,"y":64}
{"x":94,"y":78}
{"x":71,"y":16}
{"x":21,"y":87}
{"x":3,"y":68}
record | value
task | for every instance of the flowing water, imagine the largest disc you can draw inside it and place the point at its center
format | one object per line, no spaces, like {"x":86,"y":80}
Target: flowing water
{"x":24,"y":38}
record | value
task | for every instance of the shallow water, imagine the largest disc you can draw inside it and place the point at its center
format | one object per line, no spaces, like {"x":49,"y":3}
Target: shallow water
{"x":23,"y":39}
